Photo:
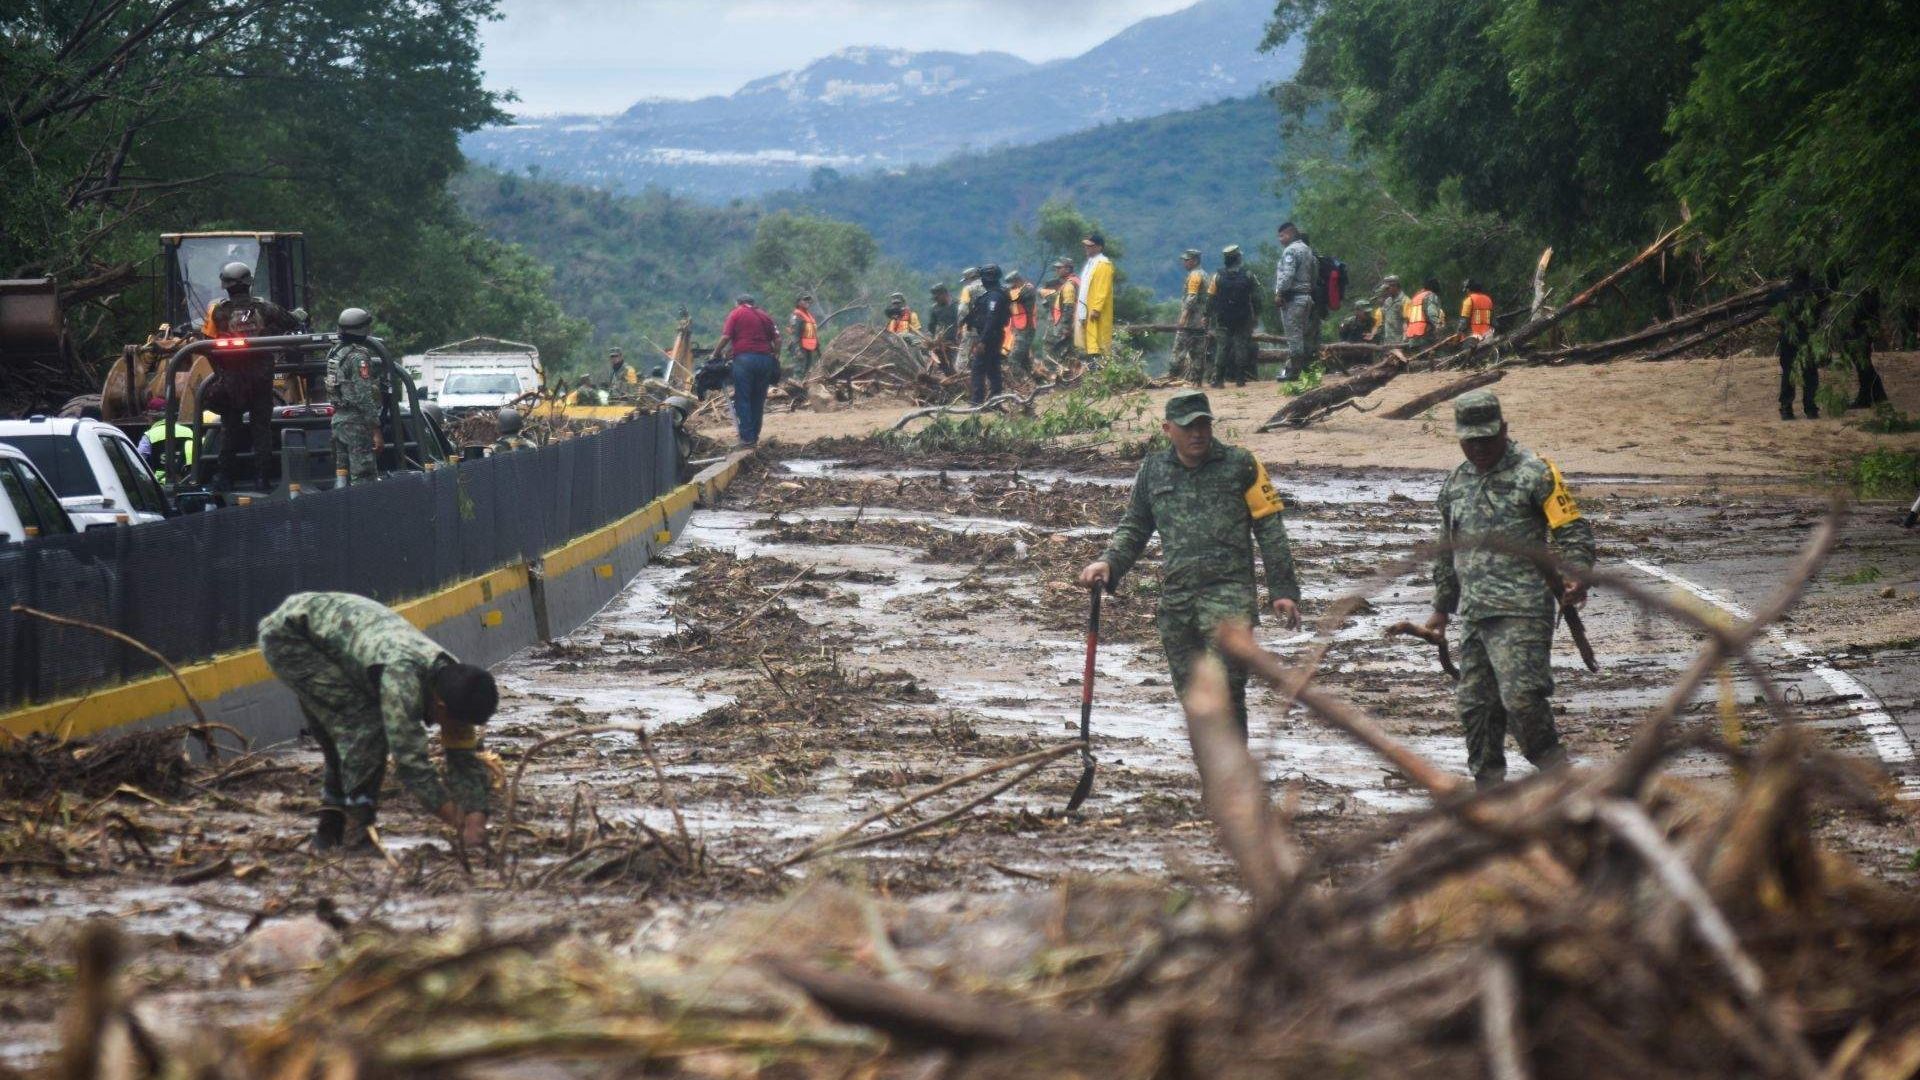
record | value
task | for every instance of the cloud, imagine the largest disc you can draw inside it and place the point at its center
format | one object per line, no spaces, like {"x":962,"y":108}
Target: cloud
{"x":601,"y":56}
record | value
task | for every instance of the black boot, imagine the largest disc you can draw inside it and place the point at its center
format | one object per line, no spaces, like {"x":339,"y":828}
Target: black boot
{"x":329,"y":828}
{"x":1786,"y":412}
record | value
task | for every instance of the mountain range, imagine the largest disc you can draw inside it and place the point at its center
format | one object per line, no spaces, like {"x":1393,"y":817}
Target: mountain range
{"x":864,"y":110}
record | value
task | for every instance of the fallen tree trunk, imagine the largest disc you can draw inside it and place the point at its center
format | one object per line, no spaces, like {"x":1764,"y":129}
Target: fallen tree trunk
{"x":1759,"y":298}
{"x":1705,"y":336}
{"x":1301,"y":410}
{"x":1447,"y":393}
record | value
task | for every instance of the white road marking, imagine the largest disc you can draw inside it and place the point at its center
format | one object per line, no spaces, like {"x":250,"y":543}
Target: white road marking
{"x":1888,"y":738}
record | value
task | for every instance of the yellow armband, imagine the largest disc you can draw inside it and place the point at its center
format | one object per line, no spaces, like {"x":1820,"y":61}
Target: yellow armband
{"x":1559,"y":506}
{"x":1262,"y":500}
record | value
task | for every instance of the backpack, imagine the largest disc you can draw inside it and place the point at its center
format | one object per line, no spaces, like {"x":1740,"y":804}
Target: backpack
{"x":1330,"y":282}
{"x":1233,"y":298}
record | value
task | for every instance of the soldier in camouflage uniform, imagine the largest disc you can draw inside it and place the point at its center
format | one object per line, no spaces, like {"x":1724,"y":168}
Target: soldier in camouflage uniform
{"x":1505,"y":494}
{"x":354,"y":376}
{"x":1210,"y":502}
{"x":369,"y":684}
{"x":1190,"y":343}
{"x":1390,"y":318}
{"x":1233,"y":309}
{"x":507,"y":420}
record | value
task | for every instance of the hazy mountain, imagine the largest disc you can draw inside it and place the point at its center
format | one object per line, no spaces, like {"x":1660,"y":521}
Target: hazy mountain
{"x":863,"y":110}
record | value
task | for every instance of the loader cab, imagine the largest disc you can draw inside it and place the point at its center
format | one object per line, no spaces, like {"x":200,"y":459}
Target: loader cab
{"x":191,"y":265}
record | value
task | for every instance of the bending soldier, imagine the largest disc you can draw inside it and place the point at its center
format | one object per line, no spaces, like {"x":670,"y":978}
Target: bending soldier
{"x":370,"y":685}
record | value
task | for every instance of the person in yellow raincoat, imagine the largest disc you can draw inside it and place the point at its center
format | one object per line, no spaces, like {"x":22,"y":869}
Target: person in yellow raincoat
{"x":1093,"y":312}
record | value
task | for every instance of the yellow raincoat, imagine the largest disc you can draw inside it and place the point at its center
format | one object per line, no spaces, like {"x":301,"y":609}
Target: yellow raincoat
{"x":1093,"y":317}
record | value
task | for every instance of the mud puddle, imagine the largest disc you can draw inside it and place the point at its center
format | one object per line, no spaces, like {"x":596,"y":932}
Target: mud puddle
{"x":832,"y":639}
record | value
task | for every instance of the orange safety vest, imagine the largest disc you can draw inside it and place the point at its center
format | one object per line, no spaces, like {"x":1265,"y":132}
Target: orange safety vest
{"x":1022,"y":315}
{"x":1479,"y":314}
{"x":1416,"y":312}
{"x":1065,"y":296}
{"x":903,"y":323}
{"x":809,"y":330}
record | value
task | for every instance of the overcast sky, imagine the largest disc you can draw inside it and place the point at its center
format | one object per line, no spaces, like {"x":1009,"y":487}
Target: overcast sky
{"x":603,"y":55}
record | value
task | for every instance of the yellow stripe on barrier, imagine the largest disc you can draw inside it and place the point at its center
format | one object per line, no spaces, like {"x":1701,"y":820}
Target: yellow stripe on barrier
{"x":209,"y":680}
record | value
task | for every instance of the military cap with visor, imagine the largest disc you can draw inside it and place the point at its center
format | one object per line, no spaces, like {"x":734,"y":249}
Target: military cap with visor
{"x":1186,"y":407}
{"x":1476,"y":415}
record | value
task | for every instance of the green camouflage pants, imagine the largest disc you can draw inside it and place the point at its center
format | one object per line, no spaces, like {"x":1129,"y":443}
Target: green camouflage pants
{"x":1186,"y":627}
{"x":353,"y":446}
{"x":1190,"y":356}
{"x":802,"y":361}
{"x":1302,"y":333}
{"x":1020,"y":358}
{"x":342,"y":717}
{"x":1238,"y":357}
{"x":1060,"y":343}
{"x":1506,"y":678}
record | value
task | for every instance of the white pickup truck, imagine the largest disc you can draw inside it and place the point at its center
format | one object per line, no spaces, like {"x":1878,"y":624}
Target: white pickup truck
{"x":95,"y":470}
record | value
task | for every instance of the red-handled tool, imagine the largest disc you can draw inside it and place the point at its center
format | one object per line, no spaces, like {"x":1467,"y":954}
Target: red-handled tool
{"x":1085,"y":786}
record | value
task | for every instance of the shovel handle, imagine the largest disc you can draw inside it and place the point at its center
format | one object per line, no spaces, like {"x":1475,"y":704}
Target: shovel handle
{"x":1086,"y":677}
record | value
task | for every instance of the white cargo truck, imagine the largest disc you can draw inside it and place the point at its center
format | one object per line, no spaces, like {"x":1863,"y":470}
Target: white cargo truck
{"x":478,"y":373}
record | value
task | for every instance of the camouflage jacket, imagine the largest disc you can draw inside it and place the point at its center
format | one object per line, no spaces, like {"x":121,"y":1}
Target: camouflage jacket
{"x":1208,"y":519}
{"x":353,"y":382}
{"x":1520,"y":502}
{"x":1297,"y":272}
{"x":383,"y":654}
{"x":942,"y":320}
{"x":1390,"y":319}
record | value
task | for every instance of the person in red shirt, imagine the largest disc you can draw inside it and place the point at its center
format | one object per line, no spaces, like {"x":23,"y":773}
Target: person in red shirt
{"x":755,"y":343}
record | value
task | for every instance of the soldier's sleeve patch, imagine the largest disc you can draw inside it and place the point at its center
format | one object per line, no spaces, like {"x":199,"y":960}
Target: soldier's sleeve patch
{"x":1559,"y":506}
{"x":1262,"y":500}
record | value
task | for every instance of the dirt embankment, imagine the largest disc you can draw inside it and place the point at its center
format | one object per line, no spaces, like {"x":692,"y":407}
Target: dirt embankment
{"x":1684,"y":418}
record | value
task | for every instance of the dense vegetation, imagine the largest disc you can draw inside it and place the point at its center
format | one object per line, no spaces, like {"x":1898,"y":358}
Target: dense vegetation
{"x":339,"y":118}
{"x":1457,"y":138}
{"x":1201,"y":178}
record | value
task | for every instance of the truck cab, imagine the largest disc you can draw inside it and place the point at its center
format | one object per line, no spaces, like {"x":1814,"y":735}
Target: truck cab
{"x":28,"y":506}
{"x":480,"y":373}
{"x":94,"y":469}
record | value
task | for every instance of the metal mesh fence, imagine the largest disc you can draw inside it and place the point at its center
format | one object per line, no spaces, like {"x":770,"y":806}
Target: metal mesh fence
{"x":197,"y":585}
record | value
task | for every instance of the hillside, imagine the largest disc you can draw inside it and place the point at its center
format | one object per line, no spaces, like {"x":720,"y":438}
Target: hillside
{"x":868,"y":109}
{"x":623,"y":263}
{"x":1201,"y":178}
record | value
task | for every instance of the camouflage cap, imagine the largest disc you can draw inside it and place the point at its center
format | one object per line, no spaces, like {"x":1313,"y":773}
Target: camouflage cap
{"x":969,"y":273}
{"x":1476,"y":415}
{"x":900,"y":296}
{"x":1190,"y":253}
{"x":1016,"y":276}
{"x":1230,"y":249}
{"x":1390,"y":279}
{"x":939,"y":287}
{"x":1186,"y":407}
{"x":1063,"y":261}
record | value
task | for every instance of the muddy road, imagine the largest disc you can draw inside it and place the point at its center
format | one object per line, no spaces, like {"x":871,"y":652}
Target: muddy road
{"x":834,"y":637}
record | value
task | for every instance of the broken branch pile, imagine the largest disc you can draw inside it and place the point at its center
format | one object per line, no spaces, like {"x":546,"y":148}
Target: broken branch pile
{"x":1511,"y":349}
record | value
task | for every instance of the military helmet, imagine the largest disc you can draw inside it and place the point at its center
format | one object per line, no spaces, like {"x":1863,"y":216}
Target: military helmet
{"x":990,"y":274}
{"x":236,"y":275}
{"x":508,"y":420}
{"x":356,"y":322}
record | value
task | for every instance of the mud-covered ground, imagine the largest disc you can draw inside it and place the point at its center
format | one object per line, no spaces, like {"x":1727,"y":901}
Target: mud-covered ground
{"x":833,"y":638}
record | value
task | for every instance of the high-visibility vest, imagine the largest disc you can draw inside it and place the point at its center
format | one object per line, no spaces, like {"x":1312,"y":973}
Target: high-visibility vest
{"x":1478,"y":310}
{"x":157,"y":438}
{"x":1065,"y":296}
{"x":809,"y":330}
{"x":1416,"y":312}
{"x":904,"y":322}
{"x":1022,"y":313}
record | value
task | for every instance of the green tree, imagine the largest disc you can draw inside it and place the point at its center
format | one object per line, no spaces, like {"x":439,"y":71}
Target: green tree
{"x":126,"y":118}
{"x":795,"y":253}
{"x":1795,"y":143}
